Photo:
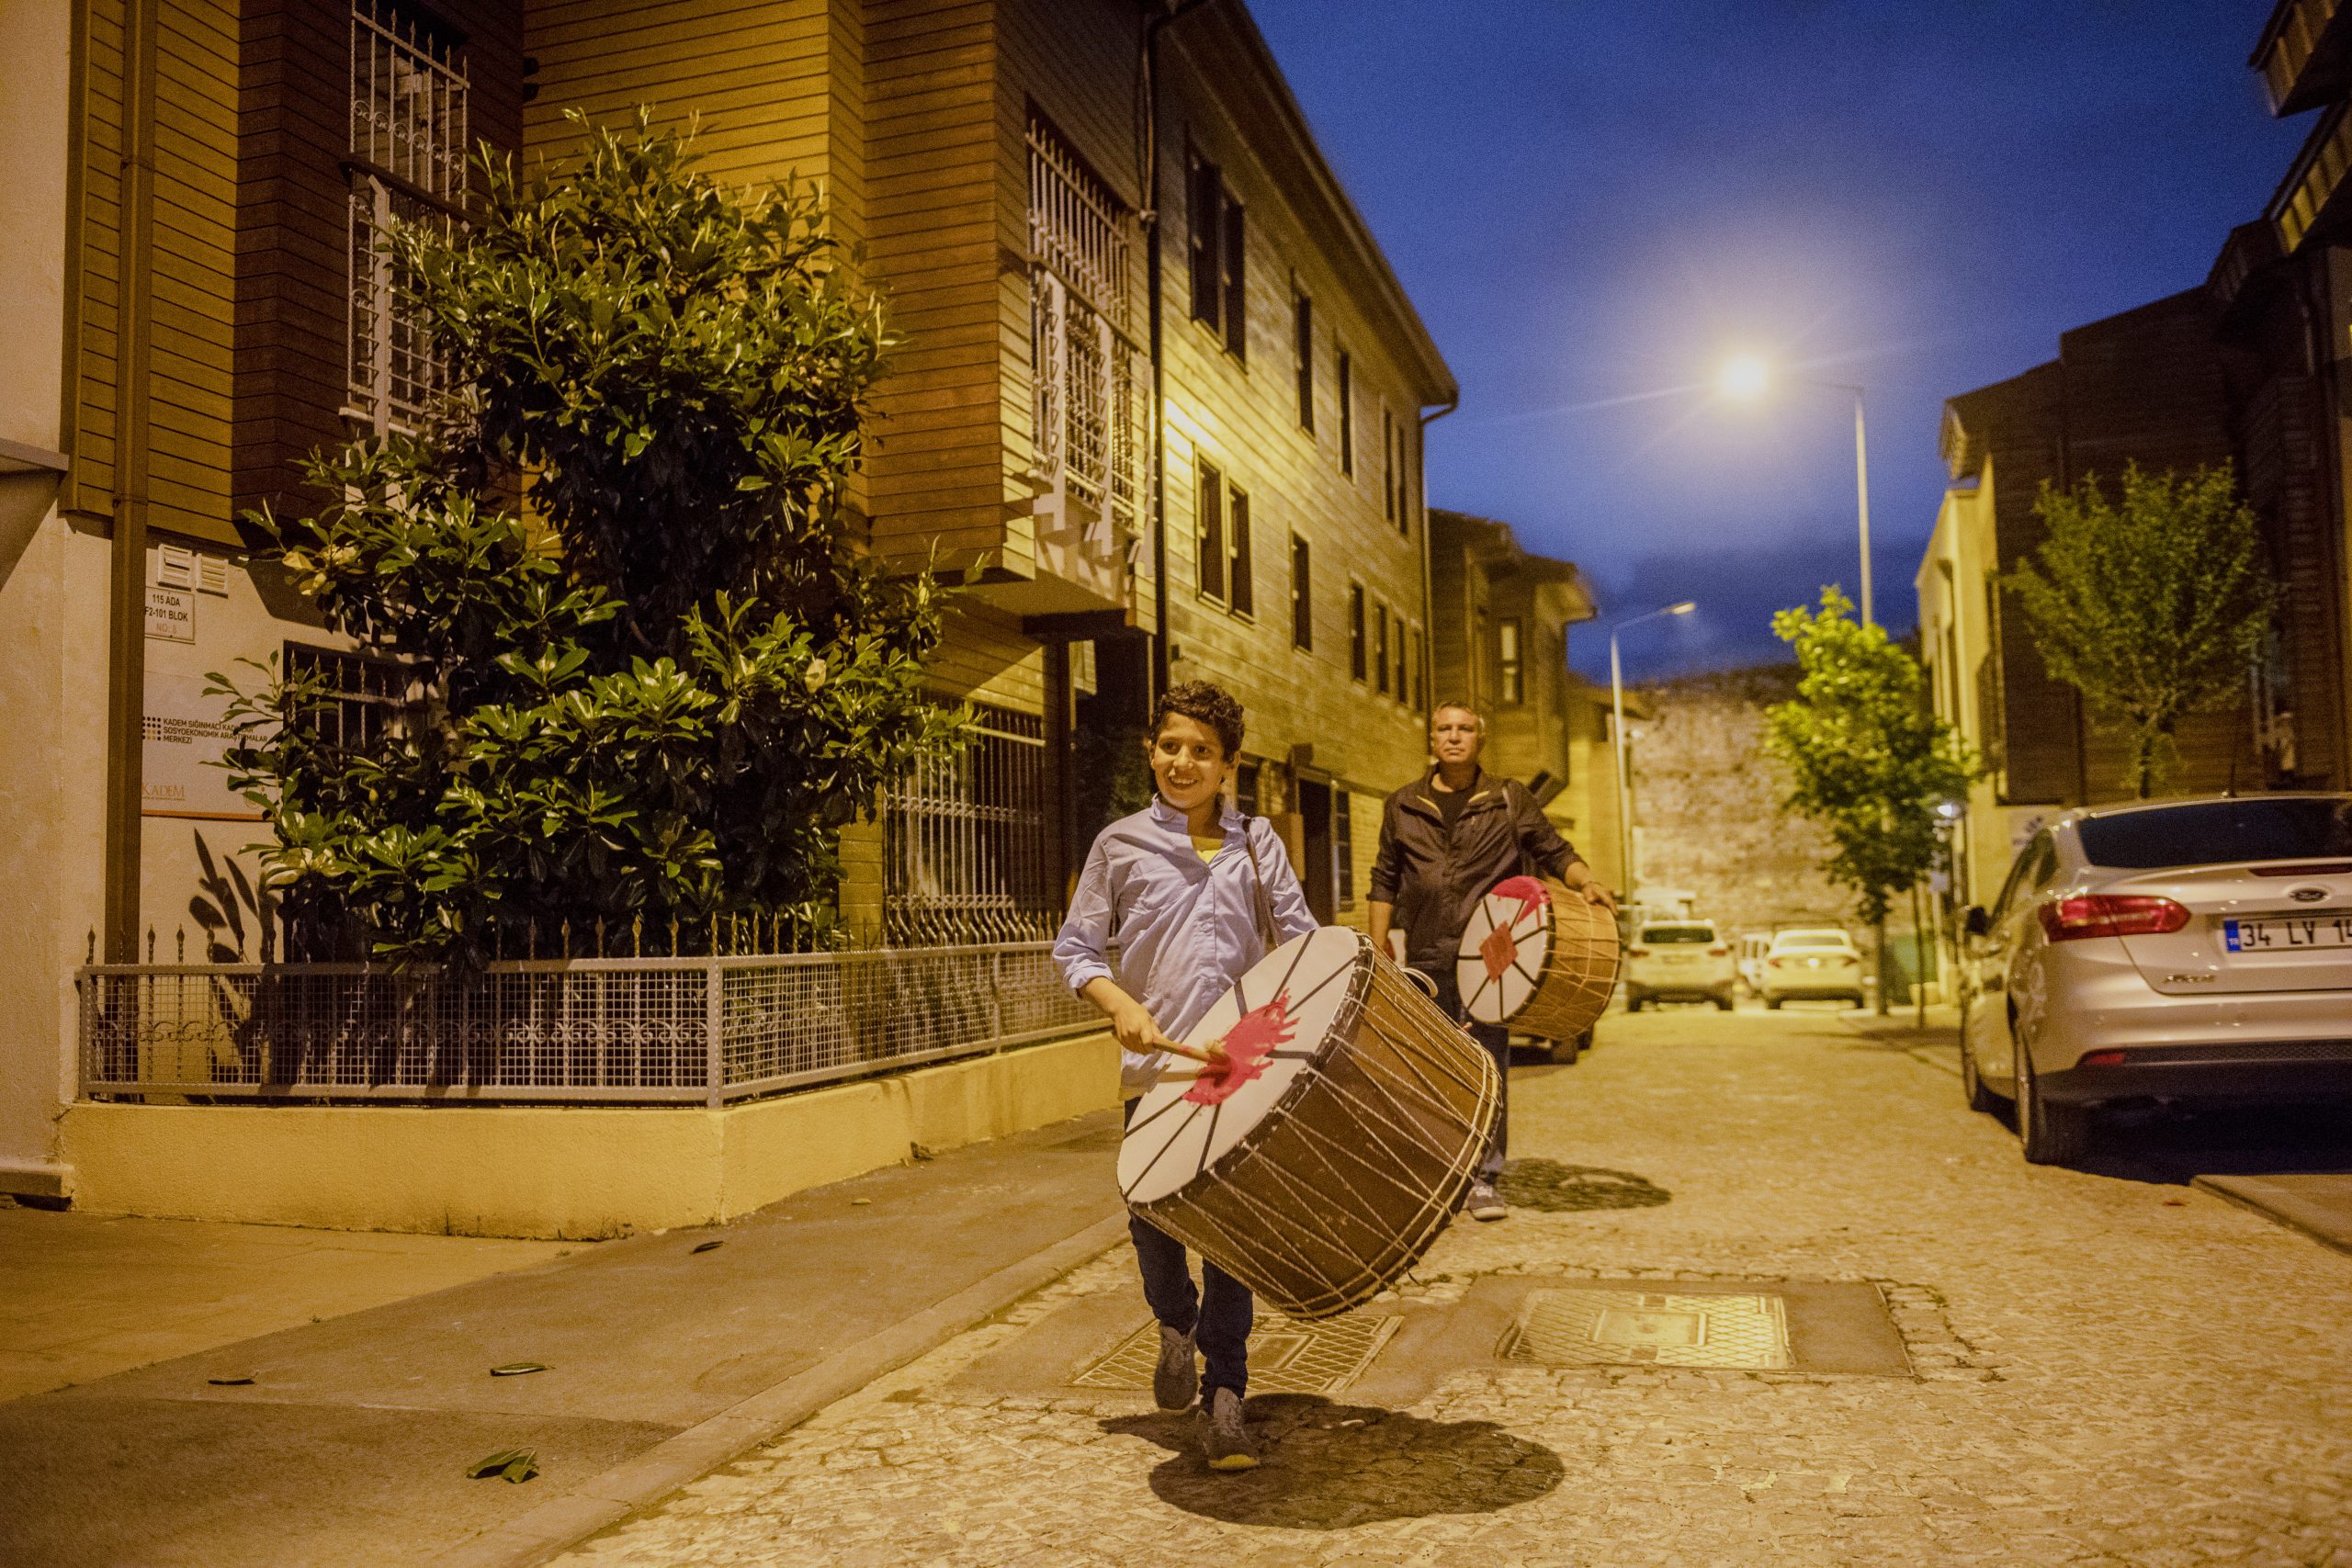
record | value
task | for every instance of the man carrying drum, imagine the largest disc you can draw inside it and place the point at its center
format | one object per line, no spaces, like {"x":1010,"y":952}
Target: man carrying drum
{"x":1192,"y":893}
{"x":1445,"y":839}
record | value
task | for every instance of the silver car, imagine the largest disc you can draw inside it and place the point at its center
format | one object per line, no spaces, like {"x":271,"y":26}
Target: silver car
{"x":2192,"y":950}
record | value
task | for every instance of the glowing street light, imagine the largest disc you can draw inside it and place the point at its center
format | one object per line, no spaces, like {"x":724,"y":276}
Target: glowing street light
{"x":1617,"y":711}
{"x":1746,"y":377}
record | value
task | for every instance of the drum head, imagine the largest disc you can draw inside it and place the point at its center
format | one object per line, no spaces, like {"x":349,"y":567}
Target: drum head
{"x":1504,"y":948}
{"x":1277,"y":1021}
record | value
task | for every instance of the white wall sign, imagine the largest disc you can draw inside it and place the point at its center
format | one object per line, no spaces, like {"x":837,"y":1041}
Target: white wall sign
{"x":171,"y":613}
{"x":186,"y":734}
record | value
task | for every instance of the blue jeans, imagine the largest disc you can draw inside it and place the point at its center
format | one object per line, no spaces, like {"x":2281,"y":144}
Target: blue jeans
{"x":1217,"y":1316}
{"x":1496,"y":1038}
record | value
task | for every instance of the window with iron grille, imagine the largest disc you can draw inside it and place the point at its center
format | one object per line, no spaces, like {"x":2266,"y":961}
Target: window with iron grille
{"x":407,"y":163}
{"x":968,"y":840}
{"x":1302,"y":595}
{"x":1359,"y":660}
{"x":1086,"y":455}
{"x":359,"y":694}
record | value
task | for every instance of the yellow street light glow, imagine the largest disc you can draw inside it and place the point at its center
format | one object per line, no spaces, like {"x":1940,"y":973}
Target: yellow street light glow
{"x":1745,"y":378}
{"x":1682,"y":609}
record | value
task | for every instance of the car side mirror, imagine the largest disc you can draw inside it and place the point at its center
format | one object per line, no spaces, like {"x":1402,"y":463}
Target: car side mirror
{"x":1976,"y":922}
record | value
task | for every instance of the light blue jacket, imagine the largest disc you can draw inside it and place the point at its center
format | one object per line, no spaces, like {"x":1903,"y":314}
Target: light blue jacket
{"x":1185,"y":929}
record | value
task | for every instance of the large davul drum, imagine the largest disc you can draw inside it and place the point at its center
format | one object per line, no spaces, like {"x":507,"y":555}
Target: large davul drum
{"x":1324,"y":1162}
{"x":1539,"y":957}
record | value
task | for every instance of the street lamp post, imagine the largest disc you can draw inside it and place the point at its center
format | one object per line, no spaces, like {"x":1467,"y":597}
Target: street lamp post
{"x":1747,"y":377}
{"x":1617,"y":739}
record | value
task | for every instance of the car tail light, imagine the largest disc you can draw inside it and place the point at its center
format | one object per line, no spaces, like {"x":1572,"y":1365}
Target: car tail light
{"x":2102,"y":1059}
{"x":2329,"y":868}
{"x":1718,"y":951}
{"x":2111,"y":914}
{"x":1637,"y":952}
{"x":1774,"y":962}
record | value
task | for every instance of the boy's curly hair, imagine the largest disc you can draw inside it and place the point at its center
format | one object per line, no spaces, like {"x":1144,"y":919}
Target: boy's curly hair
{"x":1212,"y":707}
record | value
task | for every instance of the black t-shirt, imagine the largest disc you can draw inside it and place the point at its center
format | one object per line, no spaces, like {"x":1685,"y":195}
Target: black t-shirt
{"x":1449,"y":803}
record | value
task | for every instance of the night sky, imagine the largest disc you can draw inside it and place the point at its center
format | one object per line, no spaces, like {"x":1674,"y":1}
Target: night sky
{"x":1592,"y":201}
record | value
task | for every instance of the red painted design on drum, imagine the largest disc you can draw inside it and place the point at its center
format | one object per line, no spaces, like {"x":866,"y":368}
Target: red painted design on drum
{"x":1528,"y":890}
{"x":1498,"y":950}
{"x":1255,"y":1036}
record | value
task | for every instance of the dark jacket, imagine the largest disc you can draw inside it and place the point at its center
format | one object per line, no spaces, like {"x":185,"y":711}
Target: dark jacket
{"x":1436,"y":881}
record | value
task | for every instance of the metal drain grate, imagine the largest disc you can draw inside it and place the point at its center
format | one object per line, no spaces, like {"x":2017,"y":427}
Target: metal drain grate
{"x":1569,"y":1327}
{"x":1285,"y":1357}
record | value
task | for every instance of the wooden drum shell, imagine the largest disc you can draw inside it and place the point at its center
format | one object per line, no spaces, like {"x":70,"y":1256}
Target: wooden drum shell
{"x":1579,"y":971}
{"x":1358,"y":1169}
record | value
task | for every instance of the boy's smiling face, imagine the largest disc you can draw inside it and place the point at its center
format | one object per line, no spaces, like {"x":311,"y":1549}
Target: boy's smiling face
{"x":1187,"y":762}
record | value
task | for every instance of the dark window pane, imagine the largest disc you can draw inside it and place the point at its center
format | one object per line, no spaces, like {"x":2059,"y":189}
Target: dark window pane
{"x":1380,"y":645}
{"x":2220,"y":833}
{"x":1302,"y":595}
{"x":1206,"y":203}
{"x":1343,"y":845}
{"x":1356,"y":660}
{"x":1660,"y":936}
{"x":1245,"y":591}
{"x":1303,"y":355}
{"x":1389,"y":463}
{"x":1347,"y":414}
{"x":1212,"y":532}
{"x":1236,"y":302}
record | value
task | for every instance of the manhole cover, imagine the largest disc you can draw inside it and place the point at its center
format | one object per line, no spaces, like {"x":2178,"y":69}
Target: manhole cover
{"x":1550,"y":1185}
{"x":1572,"y":1328}
{"x":1285,"y":1357}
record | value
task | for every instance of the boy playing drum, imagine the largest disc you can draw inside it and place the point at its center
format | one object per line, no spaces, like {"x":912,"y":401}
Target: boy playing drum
{"x":1178,"y":885}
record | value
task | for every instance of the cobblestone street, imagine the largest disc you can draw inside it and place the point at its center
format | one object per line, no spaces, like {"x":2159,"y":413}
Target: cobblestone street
{"x":2101,"y":1370}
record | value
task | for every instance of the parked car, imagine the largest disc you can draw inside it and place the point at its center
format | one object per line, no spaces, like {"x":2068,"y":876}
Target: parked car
{"x":1679,"y":961}
{"x":2188,"y":950}
{"x":1820,"y":965}
{"x":1752,"y":950}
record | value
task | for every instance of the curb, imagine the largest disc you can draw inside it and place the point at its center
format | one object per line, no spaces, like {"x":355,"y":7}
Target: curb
{"x":605,"y":1499}
{"x":2283,"y":1209}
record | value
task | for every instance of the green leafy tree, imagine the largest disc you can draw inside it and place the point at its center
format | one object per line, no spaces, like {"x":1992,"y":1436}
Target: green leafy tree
{"x":1868,"y":759}
{"x":639,"y":667}
{"x":2153,"y":609}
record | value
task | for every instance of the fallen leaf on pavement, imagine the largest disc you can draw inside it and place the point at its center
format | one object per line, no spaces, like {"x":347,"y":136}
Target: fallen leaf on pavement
{"x":231,"y":1379}
{"x":516,"y":1369}
{"x":518,"y":1465}
{"x":706,"y":1246}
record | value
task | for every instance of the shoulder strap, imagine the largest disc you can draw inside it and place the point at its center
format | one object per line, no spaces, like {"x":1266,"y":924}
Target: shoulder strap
{"x":1261,"y":903}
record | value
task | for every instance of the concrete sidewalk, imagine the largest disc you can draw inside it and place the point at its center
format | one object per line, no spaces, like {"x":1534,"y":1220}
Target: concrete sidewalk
{"x":350,"y":1444}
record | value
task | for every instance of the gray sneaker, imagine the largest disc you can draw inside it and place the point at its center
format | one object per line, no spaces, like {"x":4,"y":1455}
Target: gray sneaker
{"x":1177,"y":1379}
{"x":1223,"y":1437}
{"x":1485,"y":1203}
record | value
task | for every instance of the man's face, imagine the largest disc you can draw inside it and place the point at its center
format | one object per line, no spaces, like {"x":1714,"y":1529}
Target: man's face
{"x":1187,"y":761}
{"x":1453,"y":735}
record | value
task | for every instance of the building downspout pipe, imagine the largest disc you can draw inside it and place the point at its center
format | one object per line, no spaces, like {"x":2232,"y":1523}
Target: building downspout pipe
{"x":127,"y":586}
{"x":1429,"y":605}
{"x":1164,"y":12}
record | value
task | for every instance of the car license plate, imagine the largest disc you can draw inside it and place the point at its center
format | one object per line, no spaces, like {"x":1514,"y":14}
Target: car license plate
{"x":2288,"y":935}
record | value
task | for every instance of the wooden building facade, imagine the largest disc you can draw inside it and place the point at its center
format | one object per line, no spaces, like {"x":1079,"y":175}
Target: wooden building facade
{"x":1503,"y":614}
{"x":1158,"y":393}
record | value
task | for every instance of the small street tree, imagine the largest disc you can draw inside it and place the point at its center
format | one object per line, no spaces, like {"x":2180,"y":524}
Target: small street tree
{"x":1868,"y":759}
{"x":2153,"y":609}
{"x":637,"y":666}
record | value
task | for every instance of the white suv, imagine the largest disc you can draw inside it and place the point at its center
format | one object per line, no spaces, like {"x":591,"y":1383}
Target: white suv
{"x":1679,"y":961}
{"x":1821,"y":964}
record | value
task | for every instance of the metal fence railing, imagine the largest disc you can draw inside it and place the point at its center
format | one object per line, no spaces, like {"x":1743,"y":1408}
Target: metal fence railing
{"x":650,"y":1031}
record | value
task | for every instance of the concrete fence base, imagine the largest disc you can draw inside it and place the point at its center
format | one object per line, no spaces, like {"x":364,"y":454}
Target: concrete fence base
{"x":566,"y":1172}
